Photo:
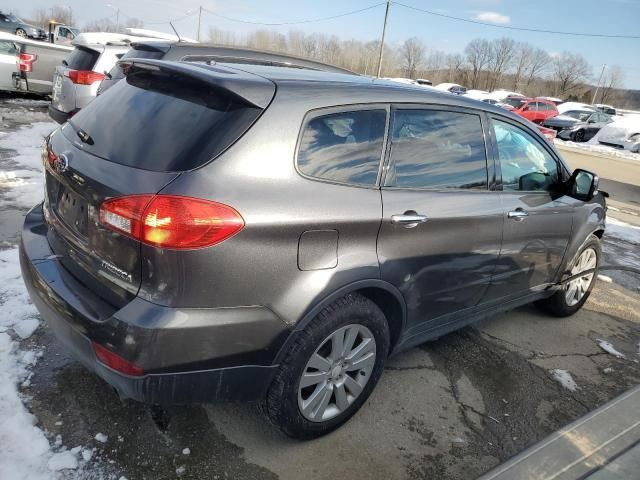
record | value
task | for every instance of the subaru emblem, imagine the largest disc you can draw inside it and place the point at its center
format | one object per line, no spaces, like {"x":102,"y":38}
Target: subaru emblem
{"x":61,"y":163}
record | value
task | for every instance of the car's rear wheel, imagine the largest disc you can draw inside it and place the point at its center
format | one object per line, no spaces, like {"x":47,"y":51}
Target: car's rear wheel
{"x":570,"y":298}
{"x":21,"y":33}
{"x":330,"y":369}
{"x":579,"y":136}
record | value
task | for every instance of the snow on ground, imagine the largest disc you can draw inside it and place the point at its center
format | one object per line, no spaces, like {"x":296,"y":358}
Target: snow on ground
{"x":565,"y":379}
{"x":602,"y":149}
{"x":623,"y":231}
{"x":609,"y":348}
{"x":21,"y":178}
{"x":25,"y":452}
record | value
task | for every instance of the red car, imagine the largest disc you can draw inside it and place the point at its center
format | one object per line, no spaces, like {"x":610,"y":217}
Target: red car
{"x":533,"y":109}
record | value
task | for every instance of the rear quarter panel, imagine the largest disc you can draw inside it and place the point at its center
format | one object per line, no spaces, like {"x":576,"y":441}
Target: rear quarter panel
{"x":260,"y":265}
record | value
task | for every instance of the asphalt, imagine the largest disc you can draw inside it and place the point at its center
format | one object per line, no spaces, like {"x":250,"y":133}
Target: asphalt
{"x":454,"y":408}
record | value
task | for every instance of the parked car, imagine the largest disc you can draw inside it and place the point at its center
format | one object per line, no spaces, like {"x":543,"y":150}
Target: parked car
{"x":9,"y":53}
{"x":271,"y":233}
{"x":532,"y":109}
{"x":567,"y":106}
{"x":502,"y":94}
{"x":62,"y":34}
{"x":76,"y":79}
{"x":452,"y":88}
{"x":555,"y":100}
{"x":549,"y":133}
{"x":622,"y":134}
{"x":202,"y":52}
{"x":608,"y":109}
{"x":11,"y":24}
{"x":424,"y":82}
{"x":578,"y":125}
{"x":34,"y":64}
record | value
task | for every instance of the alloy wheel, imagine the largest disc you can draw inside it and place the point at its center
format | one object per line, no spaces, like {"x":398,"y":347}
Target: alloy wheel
{"x":337,"y":373}
{"x":577,"y":288}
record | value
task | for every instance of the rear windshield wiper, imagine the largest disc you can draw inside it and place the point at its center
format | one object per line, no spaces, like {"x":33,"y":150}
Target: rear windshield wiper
{"x":85,"y":137}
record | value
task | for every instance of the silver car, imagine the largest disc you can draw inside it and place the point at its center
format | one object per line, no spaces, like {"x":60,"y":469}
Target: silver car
{"x":76,"y":81}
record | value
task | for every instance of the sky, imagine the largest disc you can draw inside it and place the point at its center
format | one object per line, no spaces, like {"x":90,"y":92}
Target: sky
{"x":612,"y":17}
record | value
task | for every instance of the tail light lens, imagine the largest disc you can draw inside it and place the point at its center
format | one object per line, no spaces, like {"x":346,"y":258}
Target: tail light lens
{"x":25,"y":62}
{"x":115,"y":361}
{"x":84,"y":77}
{"x":171,"y":221}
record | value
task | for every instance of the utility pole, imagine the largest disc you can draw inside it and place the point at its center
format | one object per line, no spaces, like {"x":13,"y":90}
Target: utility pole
{"x":384,"y":31}
{"x":595,"y":94}
{"x":199,"y":19}
{"x":118,"y":19}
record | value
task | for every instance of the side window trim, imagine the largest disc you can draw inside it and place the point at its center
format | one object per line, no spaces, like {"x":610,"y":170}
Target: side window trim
{"x":320,"y":112}
{"x":496,"y":159}
{"x":486,"y":129}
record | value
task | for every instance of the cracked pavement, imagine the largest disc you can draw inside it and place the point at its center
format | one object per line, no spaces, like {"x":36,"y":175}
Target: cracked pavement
{"x":449,"y":409}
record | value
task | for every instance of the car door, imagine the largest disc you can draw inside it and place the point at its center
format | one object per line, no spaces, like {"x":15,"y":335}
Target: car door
{"x":538,"y":217}
{"x":595,"y":123}
{"x":440,"y":234}
{"x":8,"y":64}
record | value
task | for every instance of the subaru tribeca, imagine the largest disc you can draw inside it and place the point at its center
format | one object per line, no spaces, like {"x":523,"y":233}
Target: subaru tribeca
{"x":265,"y":233}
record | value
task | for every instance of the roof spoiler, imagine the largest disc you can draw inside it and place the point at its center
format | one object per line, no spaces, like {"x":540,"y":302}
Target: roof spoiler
{"x":245,"y":87}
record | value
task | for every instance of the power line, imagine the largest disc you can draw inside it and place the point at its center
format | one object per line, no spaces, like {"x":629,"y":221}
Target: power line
{"x":297,"y":22}
{"x":506,"y":27}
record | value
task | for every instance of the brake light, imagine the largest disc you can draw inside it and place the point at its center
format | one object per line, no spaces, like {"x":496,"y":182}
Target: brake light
{"x":115,"y":361}
{"x":84,"y":77}
{"x":25,"y":61}
{"x":171,"y":221}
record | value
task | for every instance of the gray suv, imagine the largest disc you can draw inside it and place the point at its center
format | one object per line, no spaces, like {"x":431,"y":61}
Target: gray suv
{"x":265,"y":233}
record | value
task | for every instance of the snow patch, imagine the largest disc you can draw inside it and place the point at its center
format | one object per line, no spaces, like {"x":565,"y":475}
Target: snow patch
{"x":607,"y":347}
{"x":101,"y":437}
{"x":62,"y":461}
{"x":21,"y":180}
{"x":186,"y":451}
{"x":604,"y":278}
{"x":565,"y":379}
{"x":622,"y":230}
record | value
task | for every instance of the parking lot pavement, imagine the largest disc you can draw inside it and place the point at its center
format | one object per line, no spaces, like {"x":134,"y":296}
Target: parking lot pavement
{"x":450,"y":409}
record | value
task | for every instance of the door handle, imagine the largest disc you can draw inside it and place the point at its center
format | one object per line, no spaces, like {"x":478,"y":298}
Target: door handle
{"x":408,"y":220}
{"x":518,"y":214}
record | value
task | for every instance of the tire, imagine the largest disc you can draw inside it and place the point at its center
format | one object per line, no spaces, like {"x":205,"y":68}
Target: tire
{"x":285,"y":399}
{"x":579,"y":137}
{"x":21,"y":33}
{"x":559,"y":304}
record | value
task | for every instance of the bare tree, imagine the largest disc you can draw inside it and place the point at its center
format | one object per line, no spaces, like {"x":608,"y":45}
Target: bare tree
{"x":522,"y":59}
{"x":58,"y":13}
{"x":412,"y":52}
{"x":501,"y":58}
{"x":539,"y":64}
{"x":478,"y":53}
{"x":570,"y":70}
{"x":133,"y":22}
{"x":612,"y":82}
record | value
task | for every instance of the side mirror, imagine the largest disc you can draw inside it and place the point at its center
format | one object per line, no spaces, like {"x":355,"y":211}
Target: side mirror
{"x":583,"y":185}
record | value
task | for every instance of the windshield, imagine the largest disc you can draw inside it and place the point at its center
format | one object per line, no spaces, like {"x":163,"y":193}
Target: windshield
{"x":14,"y":19}
{"x":514,"y":102}
{"x":75,"y":31}
{"x":577,"y":114}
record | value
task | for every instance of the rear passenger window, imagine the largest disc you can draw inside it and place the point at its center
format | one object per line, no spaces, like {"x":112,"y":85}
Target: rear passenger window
{"x":343,"y":147}
{"x":82,"y":58}
{"x":437,"y":149}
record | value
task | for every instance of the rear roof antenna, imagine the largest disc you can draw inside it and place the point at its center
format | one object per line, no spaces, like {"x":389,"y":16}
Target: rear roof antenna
{"x":176,"y":32}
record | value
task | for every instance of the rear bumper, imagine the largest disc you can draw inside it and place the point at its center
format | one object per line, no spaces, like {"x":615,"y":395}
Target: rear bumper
{"x":58,"y":115}
{"x":188,"y":355}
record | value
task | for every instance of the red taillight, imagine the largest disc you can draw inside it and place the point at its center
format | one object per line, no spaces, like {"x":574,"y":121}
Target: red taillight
{"x":25,"y":61}
{"x":116,"y":362}
{"x":171,"y":221}
{"x":84,"y":77}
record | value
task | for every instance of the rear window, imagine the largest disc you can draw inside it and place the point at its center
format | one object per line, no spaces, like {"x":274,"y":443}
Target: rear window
{"x":82,"y":58}
{"x":343,"y":147}
{"x":161,"y":121}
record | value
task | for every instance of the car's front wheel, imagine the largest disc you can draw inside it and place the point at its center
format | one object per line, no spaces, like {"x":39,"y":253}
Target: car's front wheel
{"x":21,"y":33}
{"x":330,"y":369}
{"x":579,"y":136}
{"x":574,"y":293}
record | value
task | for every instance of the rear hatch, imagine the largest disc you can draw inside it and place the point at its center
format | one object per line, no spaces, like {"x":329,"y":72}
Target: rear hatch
{"x":137,"y":50}
{"x":135,"y":139}
{"x":77,"y":69}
